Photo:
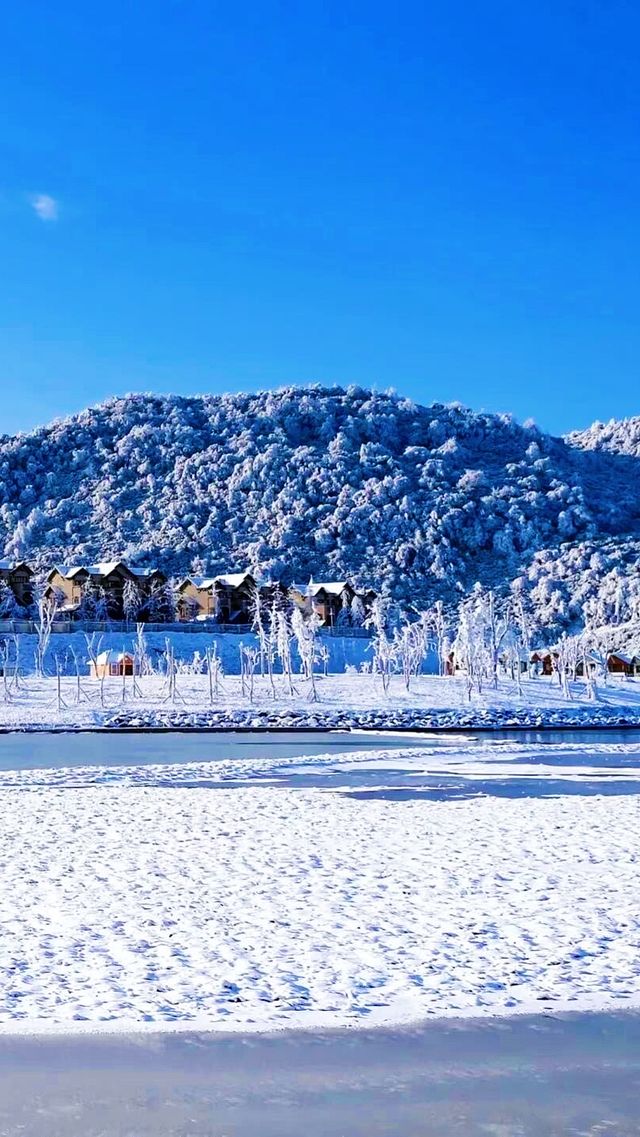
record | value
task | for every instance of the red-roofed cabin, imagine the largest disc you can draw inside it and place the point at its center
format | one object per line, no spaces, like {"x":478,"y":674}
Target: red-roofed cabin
{"x":623,"y":664}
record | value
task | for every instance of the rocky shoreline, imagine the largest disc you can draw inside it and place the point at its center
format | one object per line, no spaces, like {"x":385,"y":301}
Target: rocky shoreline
{"x":591,"y":717}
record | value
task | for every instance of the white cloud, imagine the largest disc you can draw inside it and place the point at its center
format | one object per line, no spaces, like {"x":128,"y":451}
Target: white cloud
{"x":45,"y":206}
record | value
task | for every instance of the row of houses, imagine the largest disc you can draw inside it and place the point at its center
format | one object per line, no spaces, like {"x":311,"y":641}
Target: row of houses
{"x":544,"y":662}
{"x":118,"y":591}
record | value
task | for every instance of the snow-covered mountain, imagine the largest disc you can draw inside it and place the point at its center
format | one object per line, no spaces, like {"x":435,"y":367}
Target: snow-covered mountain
{"x":417,"y":501}
{"x":619,"y":436}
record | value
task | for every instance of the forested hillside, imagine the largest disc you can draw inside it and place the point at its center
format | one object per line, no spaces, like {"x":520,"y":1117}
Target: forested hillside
{"x":417,"y":501}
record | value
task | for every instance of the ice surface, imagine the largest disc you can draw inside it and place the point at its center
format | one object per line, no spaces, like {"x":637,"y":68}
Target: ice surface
{"x":139,"y":897}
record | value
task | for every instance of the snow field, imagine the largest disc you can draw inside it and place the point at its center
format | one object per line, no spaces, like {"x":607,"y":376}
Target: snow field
{"x":342,"y":698}
{"x":343,"y":650}
{"x":127,"y":906}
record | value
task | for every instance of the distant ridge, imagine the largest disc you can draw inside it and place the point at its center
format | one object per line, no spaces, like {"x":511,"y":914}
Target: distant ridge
{"x":325,"y":482}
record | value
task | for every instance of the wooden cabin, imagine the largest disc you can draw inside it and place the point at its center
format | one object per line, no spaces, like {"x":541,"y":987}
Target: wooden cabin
{"x":621,"y":663}
{"x":593,"y":661}
{"x":99,"y":591}
{"x":19,"y":577}
{"x":227,"y":599}
{"x":197,"y":598}
{"x":236,"y":596}
{"x":543,"y":661}
{"x":326,"y":598}
{"x":273,"y":592}
{"x":330,"y":600}
{"x":112,"y":663}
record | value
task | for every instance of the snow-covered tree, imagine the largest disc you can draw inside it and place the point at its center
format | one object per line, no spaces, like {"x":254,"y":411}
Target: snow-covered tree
{"x":47,"y":608}
{"x":159,"y":603}
{"x":305,"y":632}
{"x":338,"y":483}
{"x":9,"y":607}
{"x":283,"y":644}
{"x":382,"y":646}
{"x":470,"y":645}
{"x":410,"y":647}
{"x":131,"y":601}
{"x":358,"y":613}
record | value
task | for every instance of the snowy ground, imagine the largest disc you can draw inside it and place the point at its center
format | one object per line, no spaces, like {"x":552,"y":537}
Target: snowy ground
{"x":65,"y":647}
{"x":223,"y":895}
{"x":350,"y":700}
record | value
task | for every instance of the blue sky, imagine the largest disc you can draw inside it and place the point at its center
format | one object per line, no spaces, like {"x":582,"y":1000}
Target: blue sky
{"x":439,"y":198}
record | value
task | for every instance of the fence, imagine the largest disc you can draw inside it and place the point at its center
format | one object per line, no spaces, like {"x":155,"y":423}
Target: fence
{"x":65,"y":627}
{"x":345,"y":630}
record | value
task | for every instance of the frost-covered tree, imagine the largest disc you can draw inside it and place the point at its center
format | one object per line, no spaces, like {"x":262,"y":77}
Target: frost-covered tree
{"x":249,"y":656}
{"x":159,"y":603}
{"x":259,"y":617}
{"x":131,"y":601}
{"x":382,"y":646}
{"x":9,"y":607}
{"x":283,"y":639}
{"x":335,"y":483}
{"x":437,"y":621}
{"x":47,"y":608}
{"x":305,"y":631}
{"x":358,"y":613}
{"x":470,"y":645}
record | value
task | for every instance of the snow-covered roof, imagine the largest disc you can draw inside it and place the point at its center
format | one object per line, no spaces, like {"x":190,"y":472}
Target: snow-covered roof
{"x":233,"y":579}
{"x":102,"y":568}
{"x":230,"y":579}
{"x":199,"y":581}
{"x":68,"y":571}
{"x":11,"y":566}
{"x":113,"y":656}
{"x":333,"y":587}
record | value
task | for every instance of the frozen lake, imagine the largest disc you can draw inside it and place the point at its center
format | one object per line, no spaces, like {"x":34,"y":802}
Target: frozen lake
{"x":401,"y":766}
{"x":32,"y":750}
{"x":524,"y":1077}
{"x":246,"y":883}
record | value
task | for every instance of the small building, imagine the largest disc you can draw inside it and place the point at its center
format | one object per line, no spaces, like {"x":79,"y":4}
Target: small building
{"x":326,"y":598}
{"x":543,"y":661}
{"x":331,"y":600}
{"x":109,"y":590}
{"x":227,"y":598}
{"x":19,"y":578}
{"x":622,"y":663}
{"x":593,"y":661}
{"x":515,"y":660}
{"x":196,"y":598}
{"x":236,"y":597}
{"x":273,"y":593}
{"x":112,"y":663}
